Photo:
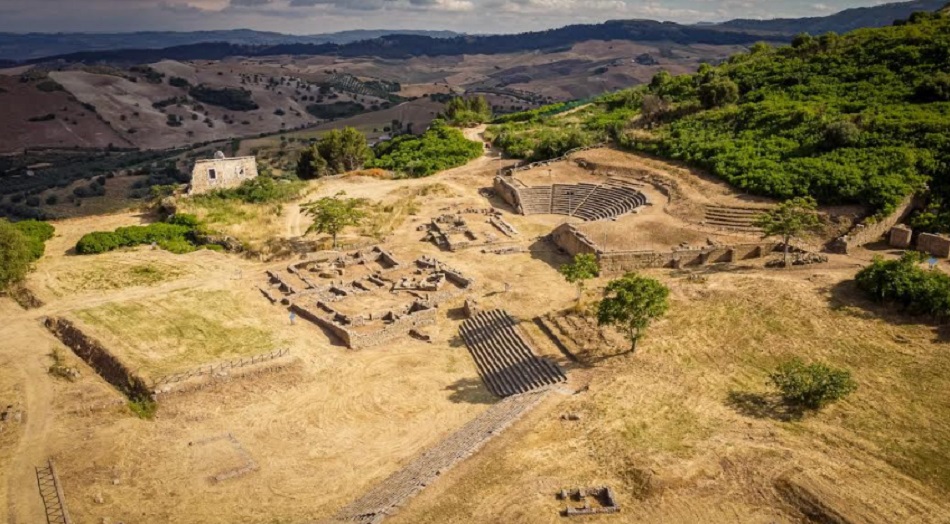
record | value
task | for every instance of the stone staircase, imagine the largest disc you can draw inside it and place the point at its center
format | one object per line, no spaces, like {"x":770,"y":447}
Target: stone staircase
{"x":734,"y":218}
{"x":504,"y":359}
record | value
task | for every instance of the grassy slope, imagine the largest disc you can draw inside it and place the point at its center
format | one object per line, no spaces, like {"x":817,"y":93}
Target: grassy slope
{"x":660,"y":428}
{"x":839,"y":118}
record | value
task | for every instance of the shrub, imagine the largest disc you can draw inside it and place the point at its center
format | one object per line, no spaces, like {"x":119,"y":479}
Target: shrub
{"x":811,"y":386}
{"x":36,"y":234}
{"x":440,"y":148}
{"x":173,"y":236}
{"x":16,"y":255}
{"x":904,"y":282}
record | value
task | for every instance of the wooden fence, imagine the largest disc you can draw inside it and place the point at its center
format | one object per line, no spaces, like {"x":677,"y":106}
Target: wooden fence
{"x":52,"y":494}
{"x":220,"y":367}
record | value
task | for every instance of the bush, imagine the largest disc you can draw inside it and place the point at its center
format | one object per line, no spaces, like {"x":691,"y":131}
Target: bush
{"x":36,"y":233}
{"x":173,"y":236}
{"x":16,"y":255}
{"x":811,"y":386}
{"x":904,"y":282}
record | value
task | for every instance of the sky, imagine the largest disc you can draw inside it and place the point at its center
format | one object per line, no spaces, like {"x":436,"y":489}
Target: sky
{"x":323,"y":16}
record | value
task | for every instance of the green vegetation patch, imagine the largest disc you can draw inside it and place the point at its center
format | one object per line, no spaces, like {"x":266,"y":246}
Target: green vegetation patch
{"x":21,"y":244}
{"x":226,"y":97}
{"x":335,"y":110}
{"x":177,"y":235}
{"x":440,"y":148}
{"x":862,"y":118}
{"x":903,"y":282}
{"x":180,"y":330}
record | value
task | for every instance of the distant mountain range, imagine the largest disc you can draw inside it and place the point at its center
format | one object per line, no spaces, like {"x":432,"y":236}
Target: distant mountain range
{"x":14,"y":46}
{"x":847,"y":20}
{"x":215,"y":45}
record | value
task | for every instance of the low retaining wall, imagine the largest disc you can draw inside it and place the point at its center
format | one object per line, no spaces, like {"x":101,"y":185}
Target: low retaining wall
{"x":570,"y":239}
{"x":867,"y":231}
{"x":99,"y":358}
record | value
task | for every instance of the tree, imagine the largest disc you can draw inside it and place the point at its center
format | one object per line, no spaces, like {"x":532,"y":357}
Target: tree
{"x":718,"y":92}
{"x":631,"y":303}
{"x":811,"y":386}
{"x":331,"y":215}
{"x":789,"y":219}
{"x":15,"y":255}
{"x":584,"y":267}
{"x":344,"y":150}
{"x":310,"y":164}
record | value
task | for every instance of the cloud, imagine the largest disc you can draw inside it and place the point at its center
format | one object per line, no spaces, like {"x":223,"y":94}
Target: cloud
{"x":317,"y":16}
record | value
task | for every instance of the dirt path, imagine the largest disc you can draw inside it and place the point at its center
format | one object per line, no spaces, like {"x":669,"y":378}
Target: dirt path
{"x":294,"y":221}
{"x":25,"y":360}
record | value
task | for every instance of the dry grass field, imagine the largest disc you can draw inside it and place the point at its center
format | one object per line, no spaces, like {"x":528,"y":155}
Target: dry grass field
{"x":685,"y":429}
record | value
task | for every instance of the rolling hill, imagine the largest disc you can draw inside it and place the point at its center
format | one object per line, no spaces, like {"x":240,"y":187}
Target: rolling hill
{"x":847,"y":20}
{"x":30,"y":46}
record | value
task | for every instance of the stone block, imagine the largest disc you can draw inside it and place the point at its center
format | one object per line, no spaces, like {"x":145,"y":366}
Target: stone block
{"x":936,"y":245}
{"x":900,"y":236}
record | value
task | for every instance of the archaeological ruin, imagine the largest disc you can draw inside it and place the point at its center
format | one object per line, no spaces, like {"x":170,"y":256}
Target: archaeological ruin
{"x":366,"y":298}
{"x":610,"y":199}
{"x":467,"y":228}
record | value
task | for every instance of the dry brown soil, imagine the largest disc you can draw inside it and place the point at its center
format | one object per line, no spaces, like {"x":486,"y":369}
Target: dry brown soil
{"x":683,"y":430}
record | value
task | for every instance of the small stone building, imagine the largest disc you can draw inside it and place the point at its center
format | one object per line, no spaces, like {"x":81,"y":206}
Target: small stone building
{"x":221,"y":173}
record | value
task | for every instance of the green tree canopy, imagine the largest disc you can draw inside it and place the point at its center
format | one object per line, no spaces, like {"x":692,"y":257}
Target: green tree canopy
{"x":789,"y":220}
{"x":468,"y":111}
{"x":331,"y":215}
{"x":15,"y":255}
{"x":811,"y":386}
{"x":631,"y":304}
{"x":338,"y":151}
{"x":584,"y":267}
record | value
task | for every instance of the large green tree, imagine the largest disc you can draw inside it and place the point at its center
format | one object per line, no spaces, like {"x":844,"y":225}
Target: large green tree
{"x":584,"y":267}
{"x":631,"y":303}
{"x":789,"y":220}
{"x":16,"y":255}
{"x":331,"y":215}
{"x":344,"y":150}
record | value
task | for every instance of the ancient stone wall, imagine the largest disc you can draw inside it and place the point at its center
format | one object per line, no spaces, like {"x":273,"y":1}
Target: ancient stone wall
{"x":936,"y":245}
{"x":99,"y":358}
{"x":568,"y":238}
{"x":871,"y":231}
{"x":507,"y":191}
{"x":221,"y":173}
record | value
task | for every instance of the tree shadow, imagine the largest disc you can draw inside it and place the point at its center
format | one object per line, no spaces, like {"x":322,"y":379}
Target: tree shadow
{"x":845,"y":297}
{"x":470,"y":391}
{"x":456,"y":342}
{"x":762,"y":406}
